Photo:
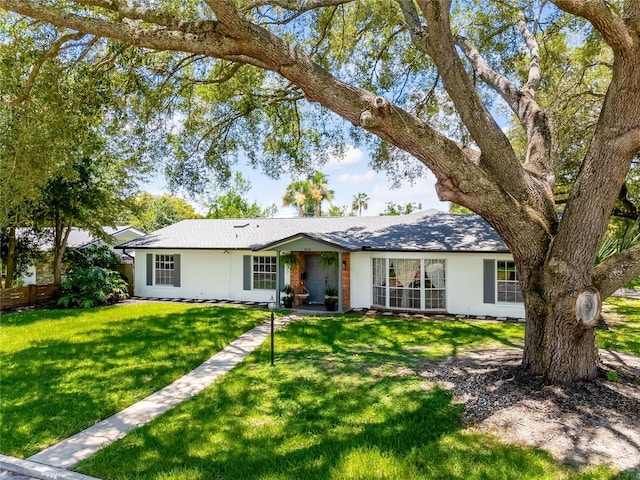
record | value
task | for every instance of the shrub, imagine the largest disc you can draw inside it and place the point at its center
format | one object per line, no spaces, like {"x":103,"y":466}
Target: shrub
{"x":88,"y":287}
{"x":94,"y":256}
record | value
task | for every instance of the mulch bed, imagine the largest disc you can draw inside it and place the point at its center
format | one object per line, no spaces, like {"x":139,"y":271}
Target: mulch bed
{"x":585,"y":423}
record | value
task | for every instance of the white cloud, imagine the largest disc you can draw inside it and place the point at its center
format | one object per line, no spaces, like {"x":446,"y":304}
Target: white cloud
{"x":352,"y":155}
{"x":421,"y":191}
{"x":357,"y":177}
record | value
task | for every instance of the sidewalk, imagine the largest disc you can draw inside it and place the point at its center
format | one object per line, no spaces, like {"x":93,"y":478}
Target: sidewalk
{"x":52,"y":462}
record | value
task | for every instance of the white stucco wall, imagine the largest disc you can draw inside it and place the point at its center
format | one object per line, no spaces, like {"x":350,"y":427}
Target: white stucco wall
{"x":464,"y":282}
{"x":218,"y":275}
{"x":204,"y":274}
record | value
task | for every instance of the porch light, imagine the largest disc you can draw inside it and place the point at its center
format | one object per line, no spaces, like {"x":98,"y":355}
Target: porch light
{"x":344,"y":264}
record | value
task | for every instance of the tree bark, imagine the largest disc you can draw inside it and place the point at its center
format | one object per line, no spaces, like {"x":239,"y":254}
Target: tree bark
{"x":11,"y":257}
{"x":560,"y":334}
{"x":60,"y":238}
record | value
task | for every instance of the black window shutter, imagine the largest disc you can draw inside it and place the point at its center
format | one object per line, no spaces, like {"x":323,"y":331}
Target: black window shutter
{"x":247,"y":272}
{"x":149,"y":269}
{"x":176,"y":270}
{"x":489,"y":276}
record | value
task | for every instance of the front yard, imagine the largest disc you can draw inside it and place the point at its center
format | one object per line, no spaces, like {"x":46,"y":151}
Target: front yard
{"x":344,"y":400}
{"x":64,"y":370}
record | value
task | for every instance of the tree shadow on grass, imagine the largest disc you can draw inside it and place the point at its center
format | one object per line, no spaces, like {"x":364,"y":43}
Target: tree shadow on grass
{"x":302,"y":429}
{"x":338,"y":404}
{"x":55,"y":388}
{"x":400,"y":340}
{"x":24,"y":318}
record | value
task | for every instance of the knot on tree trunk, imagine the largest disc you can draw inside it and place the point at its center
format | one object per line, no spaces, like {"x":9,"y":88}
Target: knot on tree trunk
{"x":380,"y":104}
{"x":378,"y":109}
{"x":588,"y":306}
{"x":367,"y":120}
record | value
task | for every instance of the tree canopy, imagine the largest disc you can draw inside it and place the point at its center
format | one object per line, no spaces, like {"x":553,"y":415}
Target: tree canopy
{"x":234,"y":204}
{"x":153,"y":212}
{"x":392,"y":208}
{"x":60,"y":167}
{"x":427,"y":84}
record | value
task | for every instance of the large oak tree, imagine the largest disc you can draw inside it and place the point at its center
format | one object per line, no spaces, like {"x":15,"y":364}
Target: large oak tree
{"x":353,"y":56}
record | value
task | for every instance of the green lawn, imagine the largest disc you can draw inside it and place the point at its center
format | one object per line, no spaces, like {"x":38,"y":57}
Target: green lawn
{"x":64,"y":370}
{"x":623,"y":336}
{"x":342,"y":402}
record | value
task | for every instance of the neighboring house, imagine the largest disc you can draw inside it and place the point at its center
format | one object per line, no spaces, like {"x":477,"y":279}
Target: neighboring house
{"x":42,"y":273}
{"x":427,"y":261}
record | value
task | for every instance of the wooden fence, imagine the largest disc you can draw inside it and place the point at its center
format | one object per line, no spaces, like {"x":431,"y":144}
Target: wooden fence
{"x":25,"y":296}
{"x":126,"y":269}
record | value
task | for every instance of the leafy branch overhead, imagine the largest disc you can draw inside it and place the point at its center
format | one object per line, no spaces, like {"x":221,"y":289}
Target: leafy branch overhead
{"x":427,"y":84}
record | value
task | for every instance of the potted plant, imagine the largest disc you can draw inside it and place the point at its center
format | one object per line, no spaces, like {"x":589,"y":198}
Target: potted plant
{"x":288,"y":259}
{"x":331,"y":298}
{"x":329,"y":260}
{"x":287,"y":298}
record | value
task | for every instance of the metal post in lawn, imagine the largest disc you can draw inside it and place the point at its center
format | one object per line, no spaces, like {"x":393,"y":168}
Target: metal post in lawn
{"x":272,"y":306}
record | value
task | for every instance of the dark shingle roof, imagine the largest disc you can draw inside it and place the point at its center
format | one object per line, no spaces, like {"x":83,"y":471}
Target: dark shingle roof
{"x":423,"y":231}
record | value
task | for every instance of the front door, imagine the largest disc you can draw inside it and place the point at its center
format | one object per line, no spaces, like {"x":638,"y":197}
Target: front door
{"x":318,"y":278}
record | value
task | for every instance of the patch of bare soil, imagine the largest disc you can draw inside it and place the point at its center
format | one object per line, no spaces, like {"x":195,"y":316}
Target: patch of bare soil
{"x":587,"y":423}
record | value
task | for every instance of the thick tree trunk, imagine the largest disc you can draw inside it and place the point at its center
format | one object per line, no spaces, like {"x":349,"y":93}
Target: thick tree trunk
{"x":560,"y":338}
{"x":11,"y":258}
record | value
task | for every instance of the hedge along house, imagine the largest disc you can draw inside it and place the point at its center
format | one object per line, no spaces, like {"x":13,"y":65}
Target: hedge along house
{"x":428,"y":261}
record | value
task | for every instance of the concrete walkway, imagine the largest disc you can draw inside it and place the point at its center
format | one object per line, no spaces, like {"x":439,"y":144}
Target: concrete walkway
{"x":73,"y":450}
{"x":18,"y":469}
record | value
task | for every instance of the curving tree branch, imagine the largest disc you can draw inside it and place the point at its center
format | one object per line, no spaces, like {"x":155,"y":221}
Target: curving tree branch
{"x":296,"y":6}
{"x":498,"y":158}
{"x":522,"y":103}
{"x":210,"y":42}
{"x":151,"y":16}
{"x":613,"y":29}
{"x":534,"y":52}
{"x":52,"y":52}
{"x":501,"y":84}
{"x":617,"y":270}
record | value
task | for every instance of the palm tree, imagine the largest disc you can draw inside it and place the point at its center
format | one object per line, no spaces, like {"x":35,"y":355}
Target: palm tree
{"x":319,"y":190}
{"x":360,"y":202}
{"x":297,"y":194}
{"x":308,"y":195}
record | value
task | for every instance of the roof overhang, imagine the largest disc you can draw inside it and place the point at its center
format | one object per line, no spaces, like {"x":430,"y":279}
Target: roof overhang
{"x":302,"y":242}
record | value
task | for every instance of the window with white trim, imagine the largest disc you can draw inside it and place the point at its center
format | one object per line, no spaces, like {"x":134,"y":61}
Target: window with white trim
{"x":264,"y":273}
{"x":404,"y":283}
{"x":380,"y":282}
{"x":508,"y":283}
{"x":434,"y":285}
{"x":409,"y":283}
{"x":164,"y":271}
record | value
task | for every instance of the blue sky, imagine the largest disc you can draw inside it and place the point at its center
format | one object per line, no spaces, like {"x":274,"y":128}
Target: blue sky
{"x":347,"y":177}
